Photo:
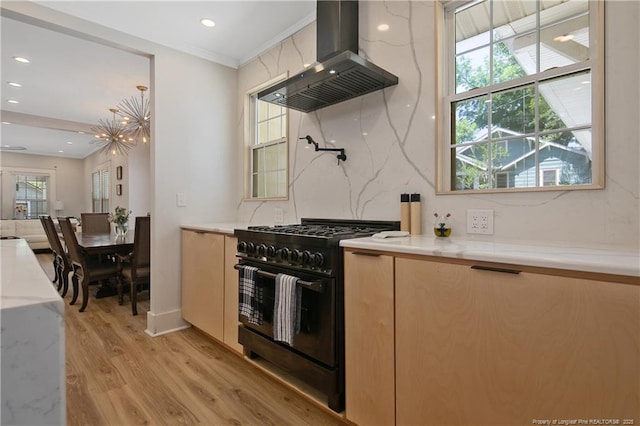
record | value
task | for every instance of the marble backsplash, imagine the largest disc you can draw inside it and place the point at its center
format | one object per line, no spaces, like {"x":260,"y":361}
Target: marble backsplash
{"x":390,"y":140}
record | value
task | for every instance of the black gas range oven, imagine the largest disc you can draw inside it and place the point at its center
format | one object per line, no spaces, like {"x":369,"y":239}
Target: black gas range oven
{"x":309,"y":251}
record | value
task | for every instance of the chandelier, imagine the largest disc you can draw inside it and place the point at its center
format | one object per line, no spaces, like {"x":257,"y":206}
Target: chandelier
{"x":136,"y":117}
{"x":113,"y":136}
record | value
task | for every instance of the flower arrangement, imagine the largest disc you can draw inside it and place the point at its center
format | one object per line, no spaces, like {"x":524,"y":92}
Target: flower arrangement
{"x":120,"y":217}
{"x":21,"y":208}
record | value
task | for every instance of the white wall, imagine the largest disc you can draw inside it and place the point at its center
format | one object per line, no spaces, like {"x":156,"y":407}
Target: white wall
{"x":69,"y":181}
{"x":389,"y":139}
{"x":193,"y":103}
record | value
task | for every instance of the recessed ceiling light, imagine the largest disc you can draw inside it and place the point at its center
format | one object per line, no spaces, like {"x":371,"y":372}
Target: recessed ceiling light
{"x":5,"y":122}
{"x":14,"y":84}
{"x":13,"y":101}
{"x":21,"y":59}
{"x":207,"y":22}
{"x":563,"y":38}
{"x":69,"y":143}
{"x":60,"y":150}
{"x":383,"y":27}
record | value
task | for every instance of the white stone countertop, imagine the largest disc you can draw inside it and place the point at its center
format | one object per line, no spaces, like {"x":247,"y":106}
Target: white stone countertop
{"x":218,"y":227}
{"x":23,"y":281}
{"x":608,"y":260}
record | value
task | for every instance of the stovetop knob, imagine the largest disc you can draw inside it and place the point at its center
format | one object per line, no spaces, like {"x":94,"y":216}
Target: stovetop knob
{"x":295,"y":255}
{"x":262,"y":249}
{"x":306,"y":257}
{"x":285,"y":253}
{"x":251,"y":248}
{"x":242,"y":246}
{"x":271,"y":251}
{"x":318,"y":259}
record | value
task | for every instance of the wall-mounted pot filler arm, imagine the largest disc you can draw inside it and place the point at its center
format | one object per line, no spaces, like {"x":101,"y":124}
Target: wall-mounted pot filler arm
{"x":342,"y":156}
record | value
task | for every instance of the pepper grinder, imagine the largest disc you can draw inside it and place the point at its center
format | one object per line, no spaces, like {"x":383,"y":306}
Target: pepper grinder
{"x":416,"y":215}
{"x":405,"y":213}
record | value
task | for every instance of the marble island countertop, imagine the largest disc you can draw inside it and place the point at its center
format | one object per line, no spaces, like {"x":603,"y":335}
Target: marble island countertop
{"x":33,"y":351}
{"x":605,"y":260}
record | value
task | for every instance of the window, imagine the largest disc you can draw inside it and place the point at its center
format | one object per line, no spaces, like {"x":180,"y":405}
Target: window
{"x":523,"y":89}
{"x":100,"y":190}
{"x":550,"y":177}
{"x":268,"y":147}
{"x":31,"y":197}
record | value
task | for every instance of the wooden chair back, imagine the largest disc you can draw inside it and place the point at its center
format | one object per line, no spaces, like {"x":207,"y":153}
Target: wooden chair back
{"x":75,"y":255}
{"x":54,"y":239}
{"x":142,"y":243}
{"x":95,"y":223}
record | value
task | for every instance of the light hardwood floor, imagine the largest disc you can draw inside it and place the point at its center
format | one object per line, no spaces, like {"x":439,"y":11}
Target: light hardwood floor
{"x":119,"y":375}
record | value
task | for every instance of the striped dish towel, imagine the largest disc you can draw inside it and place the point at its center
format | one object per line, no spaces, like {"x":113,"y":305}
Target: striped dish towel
{"x":250,"y":295}
{"x":286,"y":310}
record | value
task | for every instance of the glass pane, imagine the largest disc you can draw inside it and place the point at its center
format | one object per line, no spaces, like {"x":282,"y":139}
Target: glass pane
{"x":572,"y":157}
{"x":258,"y":160}
{"x":271,"y":184}
{"x":271,"y":157}
{"x":565,"y":34}
{"x":275,"y":129}
{"x":263,"y":132}
{"x":471,"y":22}
{"x":565,"y":102}
{"x":471,"y":167}
{"x":263,"y":110}
{"x":514,"y":110}
{"x":471,"y":119}
{"x":282,"y":156}
{"x":514,"y":163}
{"x":274,"y":110}
{"x":505,"y":64}
{"x":258,"y":185}
{"x":472,"y":70}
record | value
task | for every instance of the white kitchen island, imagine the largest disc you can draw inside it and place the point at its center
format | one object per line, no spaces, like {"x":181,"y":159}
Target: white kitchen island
{"x":32,"y":336}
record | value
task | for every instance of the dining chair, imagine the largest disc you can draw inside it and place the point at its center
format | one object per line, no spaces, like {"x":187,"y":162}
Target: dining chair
{"x":135,"y":268}
{"x":95,"y":223}
{"x":85,"y":270}
{"x":61,"y":264}
{"x":56,"y":278}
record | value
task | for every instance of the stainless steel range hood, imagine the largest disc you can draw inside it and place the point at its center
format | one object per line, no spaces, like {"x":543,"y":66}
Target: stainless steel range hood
{"x":340,"y":73}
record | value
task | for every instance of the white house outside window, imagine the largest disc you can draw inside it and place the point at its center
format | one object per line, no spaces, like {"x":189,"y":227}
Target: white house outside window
{"x":523,"y":93}
{"x":268,"y":151}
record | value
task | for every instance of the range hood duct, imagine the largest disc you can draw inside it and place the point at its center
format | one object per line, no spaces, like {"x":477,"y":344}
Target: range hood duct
{"x":340,"y":73}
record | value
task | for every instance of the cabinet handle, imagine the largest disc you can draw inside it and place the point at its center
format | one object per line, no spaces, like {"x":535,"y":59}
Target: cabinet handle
{"x":365,"y":253}
{"x":493,"y":269}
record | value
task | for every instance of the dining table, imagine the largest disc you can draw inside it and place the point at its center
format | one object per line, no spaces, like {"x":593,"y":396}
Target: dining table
{"x":103,"y":244}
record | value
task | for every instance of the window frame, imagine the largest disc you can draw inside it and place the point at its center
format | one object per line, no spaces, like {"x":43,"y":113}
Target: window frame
{"x":250,"y":135}
{"x":101,"y":171}
{"x":446,"y":88}
{"x":7,"y":183}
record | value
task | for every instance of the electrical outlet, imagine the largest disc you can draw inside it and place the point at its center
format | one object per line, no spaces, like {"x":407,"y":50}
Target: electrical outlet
{"x":480,"y":221}
{"x":278,"y":216}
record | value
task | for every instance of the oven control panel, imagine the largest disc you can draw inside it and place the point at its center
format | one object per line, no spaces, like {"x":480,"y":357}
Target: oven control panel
{"x":311,"y":258}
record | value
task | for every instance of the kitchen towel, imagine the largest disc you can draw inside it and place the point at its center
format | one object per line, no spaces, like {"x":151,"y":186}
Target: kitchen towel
{"x":286,"y":310}
{"x":250,"y":295}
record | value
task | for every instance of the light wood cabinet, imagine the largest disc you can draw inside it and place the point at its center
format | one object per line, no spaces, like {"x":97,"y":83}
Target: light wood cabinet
{"x":231,"y":290}
{"x":369,"y":331}
{"x":473,"y":346}
{"x":203,"y":281}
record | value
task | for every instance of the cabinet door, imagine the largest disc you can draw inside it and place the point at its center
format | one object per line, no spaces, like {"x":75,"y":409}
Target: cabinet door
{"x":203,"y":281}
{"x":369,"y":351}
{"x":484,"y":347}
{"x":231,"y":294}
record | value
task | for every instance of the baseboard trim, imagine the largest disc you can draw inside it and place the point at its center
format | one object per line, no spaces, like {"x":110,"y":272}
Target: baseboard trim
{"x":165,"y":322}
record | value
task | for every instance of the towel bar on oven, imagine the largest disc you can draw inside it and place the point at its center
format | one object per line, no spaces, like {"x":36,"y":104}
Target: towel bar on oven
{"x":311,"y":285}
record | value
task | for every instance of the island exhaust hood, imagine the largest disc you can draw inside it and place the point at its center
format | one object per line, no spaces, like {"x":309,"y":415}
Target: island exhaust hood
{"x":340,"y":73}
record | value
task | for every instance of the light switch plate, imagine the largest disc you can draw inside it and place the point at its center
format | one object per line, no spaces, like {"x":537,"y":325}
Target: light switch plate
{"x":480,"y":221}
{"x":181,"y":199}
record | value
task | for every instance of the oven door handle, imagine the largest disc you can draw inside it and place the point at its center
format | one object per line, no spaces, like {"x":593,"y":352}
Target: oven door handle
{"x":316,"y":286}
